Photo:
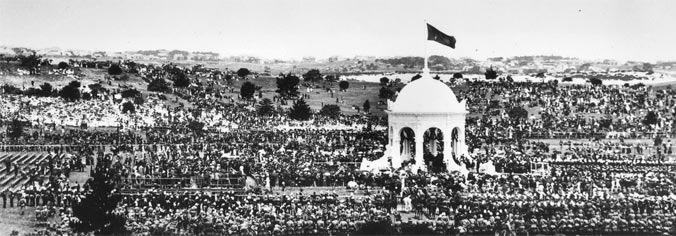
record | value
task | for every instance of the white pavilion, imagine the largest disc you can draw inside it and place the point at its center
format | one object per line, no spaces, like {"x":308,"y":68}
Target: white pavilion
{"x":426,"y":120}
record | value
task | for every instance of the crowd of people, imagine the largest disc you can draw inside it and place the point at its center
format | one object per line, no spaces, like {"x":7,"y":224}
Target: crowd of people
{"x":174,"y":178}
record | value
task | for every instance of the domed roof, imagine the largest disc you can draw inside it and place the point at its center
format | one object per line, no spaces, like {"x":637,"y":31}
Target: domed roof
{"x":427,"y":95}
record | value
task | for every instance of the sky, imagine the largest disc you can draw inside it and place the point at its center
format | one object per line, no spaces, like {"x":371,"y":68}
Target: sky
{"x":642,"y":30}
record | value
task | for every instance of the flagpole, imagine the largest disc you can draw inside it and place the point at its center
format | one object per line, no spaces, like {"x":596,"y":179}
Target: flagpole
{"x":426,"y":52}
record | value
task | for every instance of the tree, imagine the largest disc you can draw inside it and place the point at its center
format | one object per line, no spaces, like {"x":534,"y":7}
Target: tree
{"x":248,"y":89}
{"x":114,"y":69}
{"x":71,"y":92}
{"x":332,"y":78}
{"x":95,"y":211}
{"x":287,"y":85}
{"x":63,"y":65}
{"x":436,"y":77}
{"x":385,"y":93}
{"x":46,"y":90}
{"x":384,"y":81}
{"x":243,"y":72}
{"x":312,"y":75}
{"x":651,"y":118}
{"x":97,"y":89}
{"x":265,"y":107}
{"x":159,"y":85}
{"x":518,"y":113}
{"x":15,"y":129}
{"x":181,"y":80}
{"x":330,"y":110}
{"x":30,"y":62}
{"x":367,"y":106}
{"x":129,"y":93}
{"x":595,"y":81}
{"x":128,"y":107}
{"x":491,"y":74}
{"x":344,"y":85}
{"x":416,"y":77}
{"x":540,"y":75}
{"x":300,"y":111}
{"x":457,"y":75}
{"x":567,"y":79}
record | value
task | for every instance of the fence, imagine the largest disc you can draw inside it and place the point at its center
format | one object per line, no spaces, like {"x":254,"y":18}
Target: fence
{"x":192,"y":182}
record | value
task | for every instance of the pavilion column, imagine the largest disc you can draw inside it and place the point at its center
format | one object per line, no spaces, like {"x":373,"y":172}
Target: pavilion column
{"x":461,"y":141}
{"x":419,"y":160}
{"x":448,"y":150}
{"x":395,"y":148}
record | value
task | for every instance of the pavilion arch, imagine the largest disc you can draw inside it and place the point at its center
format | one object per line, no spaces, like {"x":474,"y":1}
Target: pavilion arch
{"x":433,"y":142}
{"x":433,"y":139}
{"x":407,"y":145}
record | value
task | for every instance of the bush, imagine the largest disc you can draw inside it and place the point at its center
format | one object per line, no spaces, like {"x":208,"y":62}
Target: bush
{"x":416,"y":77}
{"x":159,"y":85}
{"x":9,"y":89}
{"x":15,"y":129}
{"x":46,"y":90}
{"x":128,"y":107}
{"x":130,"y":93}
{"x":63,"y":65}
{"x":330,"y":110}
{"x":595,"y":81}
{"x":367,"y":106}
{"x":248,"y":89}
{"x":344,"y":85}
{"x":457,"y":75}
{"x":181,"y":80}
{"x":243,"y":72}
{"x":114,"y":70}
{"x":567,"y":79}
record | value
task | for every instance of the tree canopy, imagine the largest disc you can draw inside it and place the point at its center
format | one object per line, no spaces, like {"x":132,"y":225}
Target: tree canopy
{"x":114,"y":69}
{"x":63,"y":65}
{"x":287,"y":85}
{"x":265,"y":107}
{"x":344,"y":85}
{"x":367,"y":106}
{"x":300,"y":110}
{"x":94,"y":212}
{"x":491,"y":73}
{"x":159,"y":85}
{"x":15,"y":129}
{"x":384,"y":81}
{"x":71,"y":92}
{"x":247,"y":90}
{"x":312,"y":75}
{"x":243,"y":72}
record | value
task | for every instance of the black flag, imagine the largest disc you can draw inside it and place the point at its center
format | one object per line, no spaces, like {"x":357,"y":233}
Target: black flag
{"x":436,"y":35}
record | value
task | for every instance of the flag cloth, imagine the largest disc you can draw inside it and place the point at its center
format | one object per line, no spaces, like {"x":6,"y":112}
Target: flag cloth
{"x":436,"y":35}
